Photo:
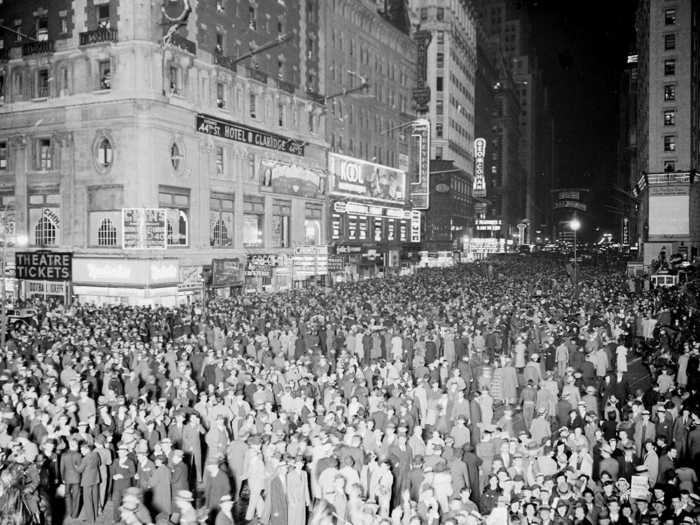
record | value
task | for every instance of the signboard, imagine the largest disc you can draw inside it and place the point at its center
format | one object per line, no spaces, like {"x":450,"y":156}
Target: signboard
{"x":310,"y":260}
{"x":357,"y":178}
{"x":419,"y":171}
{"x":126,"y":272}
{"x":570,"y":199}
{"x":144,"y":228}
{"x":421,"y":93}
{"x":225,"y":129}
{"x":493,"y":225}
{"x":190,"y":278}
{"x":226,"y":272}
{"x":335,"y":263}
{"x":261,"y":264}
{"x":281,"y":177}
{"x":479,"y":187}
{"x":625,"y":230}
{"x":415,"y":225}
{"x":44,"y":266}
{"x":669,"y":215}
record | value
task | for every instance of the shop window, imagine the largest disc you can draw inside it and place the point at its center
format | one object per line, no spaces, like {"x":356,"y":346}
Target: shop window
{"x":3,"y":155}
{"x":219,"y":161}
{"x":281,"y":213}
{"x":312,"y":225}
{"x":221,"y":220}
{"x":177,"y":203}
{"x":253,"y":221}
{"x":44,"y":154}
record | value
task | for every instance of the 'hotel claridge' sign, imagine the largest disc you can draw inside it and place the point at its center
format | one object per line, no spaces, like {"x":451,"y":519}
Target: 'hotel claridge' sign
{"x":241,"y":133}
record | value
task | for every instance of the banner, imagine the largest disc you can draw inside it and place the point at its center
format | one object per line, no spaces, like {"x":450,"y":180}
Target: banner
{"x":280,"y":177}
{"x":144,"y":228}
{"x":357,"y":178}
{"x":44,"y":266}
{"x":241,"y":133}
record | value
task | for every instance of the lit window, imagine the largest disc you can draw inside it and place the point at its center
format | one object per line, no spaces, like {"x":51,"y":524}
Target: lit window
{"x":42,"y":29}
{"x":669,"y":93}
{"x":669,"y":117}
{"x":670,"y":17}
{"x":107,"y":233}
{"x":104,"y":153}
{"x":103,"y":16}
{"x":670,"y":67}
{"x":669,"y":143}
{"x":670,"y":42}
{"x":45,"y":231}
{"x":3,"y":155}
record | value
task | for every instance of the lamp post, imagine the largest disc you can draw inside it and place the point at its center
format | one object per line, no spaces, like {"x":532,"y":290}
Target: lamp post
{"x":575,"y":225}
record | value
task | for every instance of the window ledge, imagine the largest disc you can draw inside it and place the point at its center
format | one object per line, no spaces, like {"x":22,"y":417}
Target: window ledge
{"x":40,"y":99}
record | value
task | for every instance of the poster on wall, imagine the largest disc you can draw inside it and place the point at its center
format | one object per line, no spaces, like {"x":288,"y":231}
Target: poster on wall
{"x":144,"y":228}
{"x":357,"y":178}
{"x":280,"y":177}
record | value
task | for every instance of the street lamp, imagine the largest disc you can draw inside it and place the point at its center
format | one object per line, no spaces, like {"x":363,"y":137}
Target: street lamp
{"x":575,"y":225}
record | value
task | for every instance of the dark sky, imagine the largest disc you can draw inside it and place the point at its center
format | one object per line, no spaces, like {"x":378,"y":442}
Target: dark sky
{"x":581,"y":47}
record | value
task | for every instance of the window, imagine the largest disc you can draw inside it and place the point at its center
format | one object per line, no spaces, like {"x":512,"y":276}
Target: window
{"x":18,"y":30}
{"x":669,"y":166}
{"x":63,"y":24}
{"x":670,"y":17}
{"x":670,"y":67}
{"x":280,"y":69}
{"x":103,"y":16}
{"x":423,"y":13}
{"x":175,"y":156}
{"x":42,"y":83}
{"x":219,"y":6}
{"x":104,"y":153}
{"x":45,"y":231}
{"x":105,"y":71}
{"x":44,"y":154}
{"x":440,"y":14}
{"x":669,"y":92}
{"x":174,"y":79}
{"x":219,"y":151}
{"x":251,"y":106}
{"x":252,"y":18}
{"x":438,"y":83}
{"x":220,"y":97}
{"x":281,"y":213}
{"x":219,"y":47}
{"x":438,"y":152}
{"x":669,"y":143}
{"x":312,"y":224}
{"x":253,"y":220}
{"x":3,"y":155}
{"x":251,"y":167}
{"x":669,"y":117}
{"x":221,"y":220}
{"x":280,"y":26}
{"x":440,"y":60}
{"x":44,"y":218}
{"x":42,"y":29}
{"x":439,"y":107}
{"x":311,"y":121}
{"x":440,"y":37}
{"x":107,"y":233}
{"x":280,"y":114}
{"x":176,"y":201}
{"x":670,"y":42}
{"x":438,"y":130}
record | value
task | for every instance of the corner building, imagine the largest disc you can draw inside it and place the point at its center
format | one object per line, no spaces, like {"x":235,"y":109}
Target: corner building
{"x":100,"y":115}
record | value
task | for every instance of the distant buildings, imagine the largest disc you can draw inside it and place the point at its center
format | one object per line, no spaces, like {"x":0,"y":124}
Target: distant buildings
{"x":668,"y":127}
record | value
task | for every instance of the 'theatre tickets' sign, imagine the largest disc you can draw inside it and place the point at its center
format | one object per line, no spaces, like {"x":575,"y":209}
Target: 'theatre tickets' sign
{"x":44,"y":266}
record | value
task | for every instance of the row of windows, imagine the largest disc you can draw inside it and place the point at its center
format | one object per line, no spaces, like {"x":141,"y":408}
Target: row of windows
{"x":45,"y":154}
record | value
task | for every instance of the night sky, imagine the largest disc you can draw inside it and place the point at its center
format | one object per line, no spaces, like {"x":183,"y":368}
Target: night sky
{"x":582,"y":47}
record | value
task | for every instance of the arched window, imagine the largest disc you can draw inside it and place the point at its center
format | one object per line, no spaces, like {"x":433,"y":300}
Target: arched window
{"x":107,"y":233}
{"x":45,"y":231}
{"x":104,"y":153}
{"x":220,"y":234}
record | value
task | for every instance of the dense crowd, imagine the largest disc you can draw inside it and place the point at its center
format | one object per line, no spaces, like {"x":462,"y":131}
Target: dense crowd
{"x":490,"y":393}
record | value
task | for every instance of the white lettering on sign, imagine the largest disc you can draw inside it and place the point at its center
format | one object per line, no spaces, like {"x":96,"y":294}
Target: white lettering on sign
{"x":108,"y":272}
{"x":164,"y":272}
{"x":352,"y":173}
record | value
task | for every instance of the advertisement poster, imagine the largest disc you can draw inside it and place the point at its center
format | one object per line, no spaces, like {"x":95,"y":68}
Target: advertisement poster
{"x":356,"y":178}
{"x":144,"y":228}
{"x":291,"y":179}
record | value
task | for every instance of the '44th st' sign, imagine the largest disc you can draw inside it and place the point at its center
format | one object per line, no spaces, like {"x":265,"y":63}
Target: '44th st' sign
{"x":241,"y":133}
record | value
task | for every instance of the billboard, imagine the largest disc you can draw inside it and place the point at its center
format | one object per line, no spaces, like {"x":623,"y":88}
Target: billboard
{"x":479,"y":187}
{"x":44,"y":266}
{"x":226,"y":272}
{"x":353,"y":177}
{"x":144,"y":228}
{"x":281,"y":177}
{"x":419,"y":168}
{"x":570,"y":199}
{"x":668,"y":215}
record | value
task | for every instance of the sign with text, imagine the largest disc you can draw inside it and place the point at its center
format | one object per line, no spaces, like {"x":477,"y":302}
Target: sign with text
{"x":479,"y":187}
{"x":44,"y":266}
{"x":357,"y":178}
{"x":226,"y":272}
{"x":570,"y":199}
{"x":419,"y":171}
{"x":415,"y":226}
{"x":225,"y":129}
{"x":281,"y":177}
{"x":421,"y":93}
{"x":144,"y":228}
{"x":140,"y":273}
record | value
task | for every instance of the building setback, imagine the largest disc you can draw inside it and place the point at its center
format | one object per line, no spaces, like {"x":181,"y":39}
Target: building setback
{"x":668,"y":127}
{"x":98,"y":115}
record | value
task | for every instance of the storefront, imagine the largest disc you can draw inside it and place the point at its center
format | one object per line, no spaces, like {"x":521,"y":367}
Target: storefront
{"x":126,"y":281}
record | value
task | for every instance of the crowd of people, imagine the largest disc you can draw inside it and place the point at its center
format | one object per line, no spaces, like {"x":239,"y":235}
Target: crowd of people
{"x":488,"y":393}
